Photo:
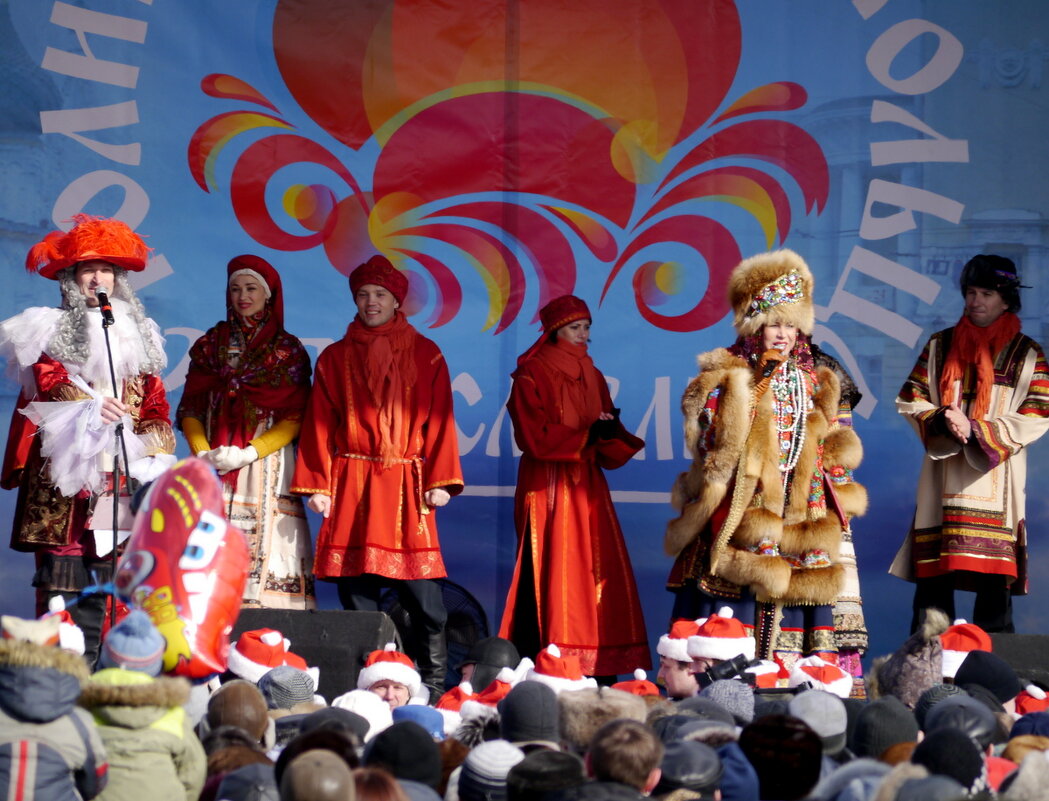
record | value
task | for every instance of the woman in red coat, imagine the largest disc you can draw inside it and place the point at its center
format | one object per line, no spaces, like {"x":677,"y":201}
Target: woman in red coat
{"x":573,"y":585}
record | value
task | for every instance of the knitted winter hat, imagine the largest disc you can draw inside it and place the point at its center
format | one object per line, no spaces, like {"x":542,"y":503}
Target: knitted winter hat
{"x":786,"y":754}
{"x":1030,"y":781}
{"x":483,"y":776}
{"x":734,"y":696}
{"x":529,"y":715}
{"x":562,"y":311}
{"x":257,"y":652}
{"x":389,"y":664}
{"x":317,"y":775}
{"x":407,"y":751}
{"x":70,"y":635}
{"x":90,"y":239}
{"x":990,"y":671}
{"x":721,"y":636}
{"x":544,"y":771}
{"x":337,"y":719}
{"x":883,"y":723}
{"x":771,"y":288}
{"x":134,"y":644}
{"x":639,"y":686}
{"x":426,"y":716}
{"x":928,"y":699}
{"x":704,"y":708}
{"x":380,"y":271}
{"x":285,"y":686}
{"x":369,"y":706}
{"x":948,"y":752}
{"x":1031,"y":723}
{"x":559,"y":672}
{"x":690,"y":766}
{"x":958,"y":640}
{"x":674,"y":644}
{"x":825,"y":714}
{"x":821,"y":675}
{"x":915,"y":666}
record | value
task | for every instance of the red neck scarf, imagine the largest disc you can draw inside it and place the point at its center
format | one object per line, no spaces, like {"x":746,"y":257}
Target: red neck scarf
{"x":972,"y":346}
{"x":576,"y":380}
{"x":388,"y":354}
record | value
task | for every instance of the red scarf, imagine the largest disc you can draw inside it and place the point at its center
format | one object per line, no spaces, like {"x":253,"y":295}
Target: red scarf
{"x":972,"y":346}
{"x":388,"y":354}
{"x":576,"y":381}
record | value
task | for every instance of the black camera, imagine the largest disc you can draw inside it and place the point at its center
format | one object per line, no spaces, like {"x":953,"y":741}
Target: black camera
{"x":728,"y":669}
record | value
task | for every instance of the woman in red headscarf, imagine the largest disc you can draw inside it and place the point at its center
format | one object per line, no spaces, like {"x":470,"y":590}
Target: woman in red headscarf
{"x":241,"y":409}
{"x":573,"y":585}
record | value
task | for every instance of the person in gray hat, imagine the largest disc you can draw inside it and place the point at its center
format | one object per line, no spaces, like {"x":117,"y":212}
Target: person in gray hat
{"x":484,"y":771}
{"x":544,"y":771}
{"x":825,"y":714}
{"x":529,"y":717}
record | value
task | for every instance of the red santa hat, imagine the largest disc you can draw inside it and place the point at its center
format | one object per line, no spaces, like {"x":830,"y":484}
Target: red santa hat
{"x":767,"y":673}
{"x":721,"y":636}
{"x":1032,"y":698}
{"x":674,"y":644}
{"x":822,"y":675}
{"x":257,"y":652}
{"x":389,"y":664}
{"x":639,"y":685}
{"x":958,"y":641}
{"x":70,"y":635}
{"x":559,"y":672}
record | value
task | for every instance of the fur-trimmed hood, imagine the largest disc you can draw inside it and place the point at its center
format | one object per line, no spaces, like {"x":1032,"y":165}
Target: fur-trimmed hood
{"x":38,"y":682}
{"x":132,"y":700}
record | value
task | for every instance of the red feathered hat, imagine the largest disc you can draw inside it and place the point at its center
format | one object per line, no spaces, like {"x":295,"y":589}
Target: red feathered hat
{"x":378,"y":270}
{"x":90,"y":239}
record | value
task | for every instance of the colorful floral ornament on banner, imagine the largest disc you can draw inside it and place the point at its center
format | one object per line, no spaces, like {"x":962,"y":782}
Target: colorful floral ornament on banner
{"x":186,"y":567}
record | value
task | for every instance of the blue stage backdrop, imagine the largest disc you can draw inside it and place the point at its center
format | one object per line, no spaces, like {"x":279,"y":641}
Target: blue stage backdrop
{"x":504,"y":152}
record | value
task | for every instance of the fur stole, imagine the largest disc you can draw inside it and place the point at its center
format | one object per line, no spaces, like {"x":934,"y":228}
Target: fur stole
{"x":798,"y":529}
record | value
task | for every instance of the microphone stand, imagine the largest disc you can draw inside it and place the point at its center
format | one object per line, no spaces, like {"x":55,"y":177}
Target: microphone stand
{"x":118,"y":469}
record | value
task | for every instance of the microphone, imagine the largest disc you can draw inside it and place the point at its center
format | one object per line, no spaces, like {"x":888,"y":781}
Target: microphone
{"x":104,"y":305}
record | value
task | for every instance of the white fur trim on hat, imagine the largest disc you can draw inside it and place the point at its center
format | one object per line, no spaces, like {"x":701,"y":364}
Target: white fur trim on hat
{"x":720,"y":647}
{"x":392,"y":671}
{"x":673,"y":648}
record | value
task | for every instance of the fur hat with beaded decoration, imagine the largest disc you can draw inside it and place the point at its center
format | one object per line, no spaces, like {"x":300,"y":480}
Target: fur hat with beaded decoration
{"x":771,"y":288}
{"x":389,"y":664}
{"x":822,"y":675}
{"x":257,"y":652}
{"x":559,"y":672}
{"x":721,"y":636}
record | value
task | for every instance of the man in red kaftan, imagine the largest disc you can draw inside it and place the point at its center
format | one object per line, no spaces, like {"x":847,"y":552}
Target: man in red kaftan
{"x":377,"y":454}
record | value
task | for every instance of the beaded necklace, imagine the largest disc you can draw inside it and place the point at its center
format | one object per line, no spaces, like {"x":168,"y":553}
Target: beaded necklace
{"x":790,"y":402}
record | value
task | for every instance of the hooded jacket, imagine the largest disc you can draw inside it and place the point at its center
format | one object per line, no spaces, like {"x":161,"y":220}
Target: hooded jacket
{"x":39,"y":686}
{"x":147,"y":734}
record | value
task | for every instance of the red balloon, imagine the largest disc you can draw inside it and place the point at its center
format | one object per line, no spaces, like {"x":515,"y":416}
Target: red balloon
{"x":186,"y":567}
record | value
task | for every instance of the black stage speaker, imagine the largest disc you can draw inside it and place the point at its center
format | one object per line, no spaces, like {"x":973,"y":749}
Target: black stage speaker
{"x":1027,"y":654}
{"x":336,"y":641}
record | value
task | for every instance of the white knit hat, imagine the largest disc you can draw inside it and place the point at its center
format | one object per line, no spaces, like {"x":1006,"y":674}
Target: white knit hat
{"x":559,"y":672}
{"x":389,"y":664}
{"x":822,"y":675}
{"x":721,"y":636}
{"x":370,"y":707}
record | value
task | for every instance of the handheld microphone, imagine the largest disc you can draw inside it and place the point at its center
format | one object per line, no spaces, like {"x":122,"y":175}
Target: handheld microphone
{"x":104,"y":305}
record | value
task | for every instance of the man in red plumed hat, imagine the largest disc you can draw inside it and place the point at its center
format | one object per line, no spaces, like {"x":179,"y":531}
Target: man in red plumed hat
{"x":60,"y":356}
{"x":377,"y":454}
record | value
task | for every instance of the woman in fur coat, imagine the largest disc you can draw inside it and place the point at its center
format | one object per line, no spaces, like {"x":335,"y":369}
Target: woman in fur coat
{"x":765,"y":507}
